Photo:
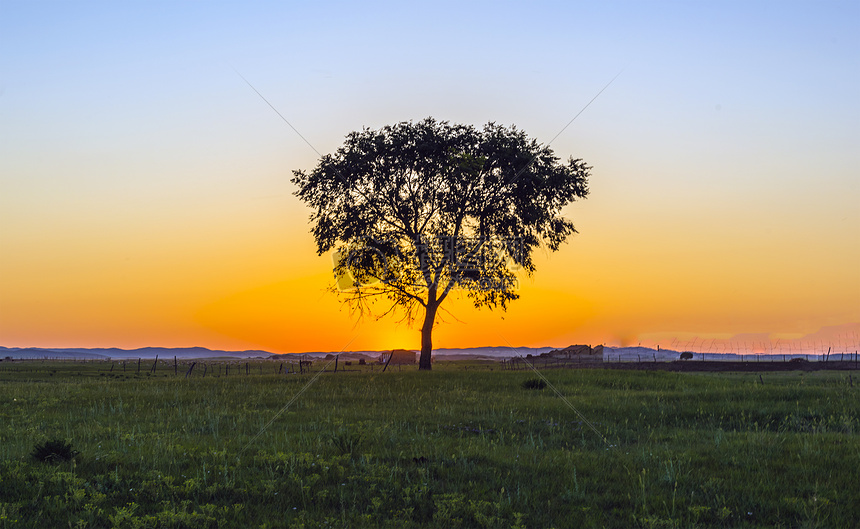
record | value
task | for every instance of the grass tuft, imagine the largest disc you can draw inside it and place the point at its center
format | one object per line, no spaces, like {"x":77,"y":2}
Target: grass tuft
{"x":534,"y":383}
{"x":54,"y":451}
{"x":346,"y":442}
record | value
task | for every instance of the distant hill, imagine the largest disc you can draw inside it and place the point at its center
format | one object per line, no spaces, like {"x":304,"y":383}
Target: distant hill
{"x":610,"y":354}
{"x":148,"y":353}
{"x":471,"y":353}
{"x":33,"y":353}
{"x":114,"y":353}
{"x":186,"y":353}
{"x":491,"y":353}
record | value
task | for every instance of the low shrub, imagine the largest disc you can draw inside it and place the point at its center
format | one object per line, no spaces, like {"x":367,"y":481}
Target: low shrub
{"x":534,"y":383}
{"x":54,"y":451}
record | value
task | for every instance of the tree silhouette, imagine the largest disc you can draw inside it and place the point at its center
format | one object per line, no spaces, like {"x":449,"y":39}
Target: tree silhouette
{"x":416,"y":211}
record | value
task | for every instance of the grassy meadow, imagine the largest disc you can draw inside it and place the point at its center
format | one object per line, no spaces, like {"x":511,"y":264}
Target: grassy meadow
{"x":455,"y":447}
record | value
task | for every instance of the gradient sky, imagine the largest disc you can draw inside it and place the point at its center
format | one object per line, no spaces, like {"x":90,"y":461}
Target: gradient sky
{"x":145,"y":195}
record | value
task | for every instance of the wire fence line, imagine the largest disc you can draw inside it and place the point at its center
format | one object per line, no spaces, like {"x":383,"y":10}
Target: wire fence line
{"x":308,"y":364}
{"x":732,"y":357}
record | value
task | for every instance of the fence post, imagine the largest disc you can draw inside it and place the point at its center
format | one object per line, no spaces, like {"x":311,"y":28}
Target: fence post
{"x":190,"y":369}
{"x":138,"y":365}
{"x":174,"y":365}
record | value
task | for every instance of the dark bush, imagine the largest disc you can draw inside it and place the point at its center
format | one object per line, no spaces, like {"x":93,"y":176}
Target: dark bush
{"x":534,"y":383}
{"x":54,"y":451}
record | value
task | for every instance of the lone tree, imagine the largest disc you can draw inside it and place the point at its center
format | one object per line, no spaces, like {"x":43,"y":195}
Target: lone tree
{"x":415,"y":211}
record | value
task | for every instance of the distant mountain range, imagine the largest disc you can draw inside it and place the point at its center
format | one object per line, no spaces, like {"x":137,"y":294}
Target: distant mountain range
{"x":610,"y":354}
{"x":472,"y":353}
{"x":147,"y":353}
{"x":114,"y":353}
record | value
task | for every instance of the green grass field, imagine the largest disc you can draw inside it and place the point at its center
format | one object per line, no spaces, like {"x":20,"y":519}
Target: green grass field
{"x":449,"y":448}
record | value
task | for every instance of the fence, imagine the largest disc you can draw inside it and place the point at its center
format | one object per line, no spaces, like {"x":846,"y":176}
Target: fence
{"x":667,"y":356}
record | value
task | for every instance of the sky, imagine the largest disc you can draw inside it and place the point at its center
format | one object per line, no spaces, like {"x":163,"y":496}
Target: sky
{"x":145,"y":195}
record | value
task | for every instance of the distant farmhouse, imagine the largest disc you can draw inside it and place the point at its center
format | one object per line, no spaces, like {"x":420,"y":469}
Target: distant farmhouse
{"x":399,"y":357}
{"x":574,"y":354}
{"x":580,"y":353}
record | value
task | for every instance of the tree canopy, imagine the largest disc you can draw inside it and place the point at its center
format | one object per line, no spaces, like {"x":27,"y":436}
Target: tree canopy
{"x":415,"y":211}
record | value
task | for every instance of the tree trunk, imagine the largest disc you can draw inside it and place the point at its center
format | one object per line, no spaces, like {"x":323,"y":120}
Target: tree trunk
{"x":427,"y":337}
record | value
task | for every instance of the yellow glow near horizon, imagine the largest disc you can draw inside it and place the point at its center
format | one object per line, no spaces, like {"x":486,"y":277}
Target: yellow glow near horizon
{"x":235,"y":291}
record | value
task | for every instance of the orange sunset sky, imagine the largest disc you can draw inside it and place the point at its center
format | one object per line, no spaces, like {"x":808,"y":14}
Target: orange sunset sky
{"x":145,"y":196}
